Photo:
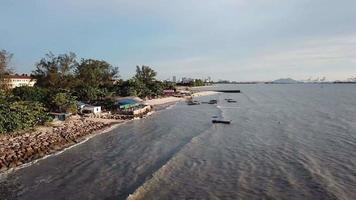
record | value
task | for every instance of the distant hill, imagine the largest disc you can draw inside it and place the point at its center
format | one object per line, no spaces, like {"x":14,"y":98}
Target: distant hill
{"x":285,"y":81}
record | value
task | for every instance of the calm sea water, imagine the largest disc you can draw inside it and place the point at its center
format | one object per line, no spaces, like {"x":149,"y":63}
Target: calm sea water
{"x":285,"y":142}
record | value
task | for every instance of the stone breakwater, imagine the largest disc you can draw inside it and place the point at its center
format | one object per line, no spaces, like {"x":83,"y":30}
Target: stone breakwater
{"x":18,"y":149}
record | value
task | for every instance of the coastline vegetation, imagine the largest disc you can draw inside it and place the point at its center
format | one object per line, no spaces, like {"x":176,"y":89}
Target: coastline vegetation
{"x":62,"y":81}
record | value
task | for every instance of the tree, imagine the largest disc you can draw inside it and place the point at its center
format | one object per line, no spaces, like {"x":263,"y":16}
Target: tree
{"x":198,"y":82}
{"x":145,"y":74}
{"x":96,"y":73}
{"x":56,"y":72}
{"x":21,"y":115}
{"x":65,"y":102}
{"x":95,"y":79}
{"x":156,"y":88}
{"x":168,"y":85}
{"x":27,"y":93}
{"x":5,"y":59}
{"x":146,"y":83}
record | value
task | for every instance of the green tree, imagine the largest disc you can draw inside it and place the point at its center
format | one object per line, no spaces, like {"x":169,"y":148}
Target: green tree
{"x":95,"y":79}
{"x":27,"y":93}
{"x":198,"y":82}
{"x":96,"y":73}
{"x":65,"y":102}
{"x":145,"y":74}
{"x":127,"y":88}
{"x":168,"y":85}
{"x":146,"y":83}
{"x":56,"y":72}
{"x":21,"y":115}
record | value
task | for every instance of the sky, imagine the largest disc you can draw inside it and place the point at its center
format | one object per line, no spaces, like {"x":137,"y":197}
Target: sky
{"x":241,"y":40}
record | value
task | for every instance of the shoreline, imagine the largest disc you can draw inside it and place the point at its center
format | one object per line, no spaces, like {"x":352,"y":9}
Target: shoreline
{"x":45,"y":151}
{"x":69,"y":140}
{"x":110,"y":127}
{"x":49,"y":143}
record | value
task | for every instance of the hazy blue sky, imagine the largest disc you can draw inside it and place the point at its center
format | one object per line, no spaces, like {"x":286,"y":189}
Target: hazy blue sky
{"x":226,"y":39}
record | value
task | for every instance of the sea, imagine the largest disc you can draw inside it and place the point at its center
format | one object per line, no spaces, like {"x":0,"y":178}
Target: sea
{"x":291,"y":141}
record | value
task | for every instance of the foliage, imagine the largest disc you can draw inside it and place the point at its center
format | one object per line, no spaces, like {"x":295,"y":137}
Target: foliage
{"x":127,"y":88}
{"x":95,"y":80}
{"x":198,"y":82}
{"x":56,"y":72}
{"x":96,"y":73}
{"x":27,"y":93}
{"x":65,"y":102}
{"x":168,"y":85}
{"x":62,"y":80}
{"x":21,"y":115}
{"x":145,"y":74}
{"x":146,"y":84}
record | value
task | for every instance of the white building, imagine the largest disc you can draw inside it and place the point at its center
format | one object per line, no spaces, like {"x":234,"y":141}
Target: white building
{"x":16,"y":80}
{"x":91,"y":109}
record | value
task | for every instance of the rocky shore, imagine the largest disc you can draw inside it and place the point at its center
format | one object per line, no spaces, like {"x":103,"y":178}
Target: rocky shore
{"x":18,"y":149}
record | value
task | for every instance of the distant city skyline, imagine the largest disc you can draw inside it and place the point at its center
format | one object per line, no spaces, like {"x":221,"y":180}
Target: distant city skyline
{"x":238,"y":40}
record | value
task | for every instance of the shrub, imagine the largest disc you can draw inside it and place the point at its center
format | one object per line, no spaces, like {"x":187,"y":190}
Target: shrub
{"x":21,"y":115}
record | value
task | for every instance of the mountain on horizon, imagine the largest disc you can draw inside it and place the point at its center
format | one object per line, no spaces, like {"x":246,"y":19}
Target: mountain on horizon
{"x":285,"y":81}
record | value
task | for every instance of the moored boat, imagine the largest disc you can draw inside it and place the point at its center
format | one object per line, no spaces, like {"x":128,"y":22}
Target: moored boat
{"x":213,"y":101}
{"x":191,"y":103}
{"x":219,"y":121}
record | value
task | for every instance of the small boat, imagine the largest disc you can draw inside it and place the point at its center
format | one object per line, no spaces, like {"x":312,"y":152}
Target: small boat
{"x":231,"y":101}
{"x":217,"y":121}
{"x":228,"y":99}
{"x":213,"y":101}
{"x":191,"y":103}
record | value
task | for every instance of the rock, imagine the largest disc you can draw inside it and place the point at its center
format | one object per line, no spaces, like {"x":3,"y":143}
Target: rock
{"x":17,"y":149}
{"x":3,"y":168}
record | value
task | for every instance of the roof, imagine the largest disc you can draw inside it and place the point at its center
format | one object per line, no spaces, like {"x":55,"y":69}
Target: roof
{"x":90,"y":106}
{"x":127,"y":101}
{"x":79,"y":103}
{"x":17,"y":76}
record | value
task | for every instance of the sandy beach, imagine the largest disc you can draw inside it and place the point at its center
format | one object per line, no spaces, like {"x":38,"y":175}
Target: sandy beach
{"x":161,"y":101}
{"x":204,"y":93}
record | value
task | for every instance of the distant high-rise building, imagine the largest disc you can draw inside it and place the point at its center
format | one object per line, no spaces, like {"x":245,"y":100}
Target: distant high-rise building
{"x":174,"y":79}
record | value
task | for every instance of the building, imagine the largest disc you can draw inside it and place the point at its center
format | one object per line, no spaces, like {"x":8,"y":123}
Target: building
{"x":127,"y":103}
{"x":13,"y":81}
{"x":174,"y":79}
{"x":132,"y":107}
{"x":92,"y":109}
{"x":169,"y":92}
{"x":59,"y":116}
{"x":85,"y":108}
